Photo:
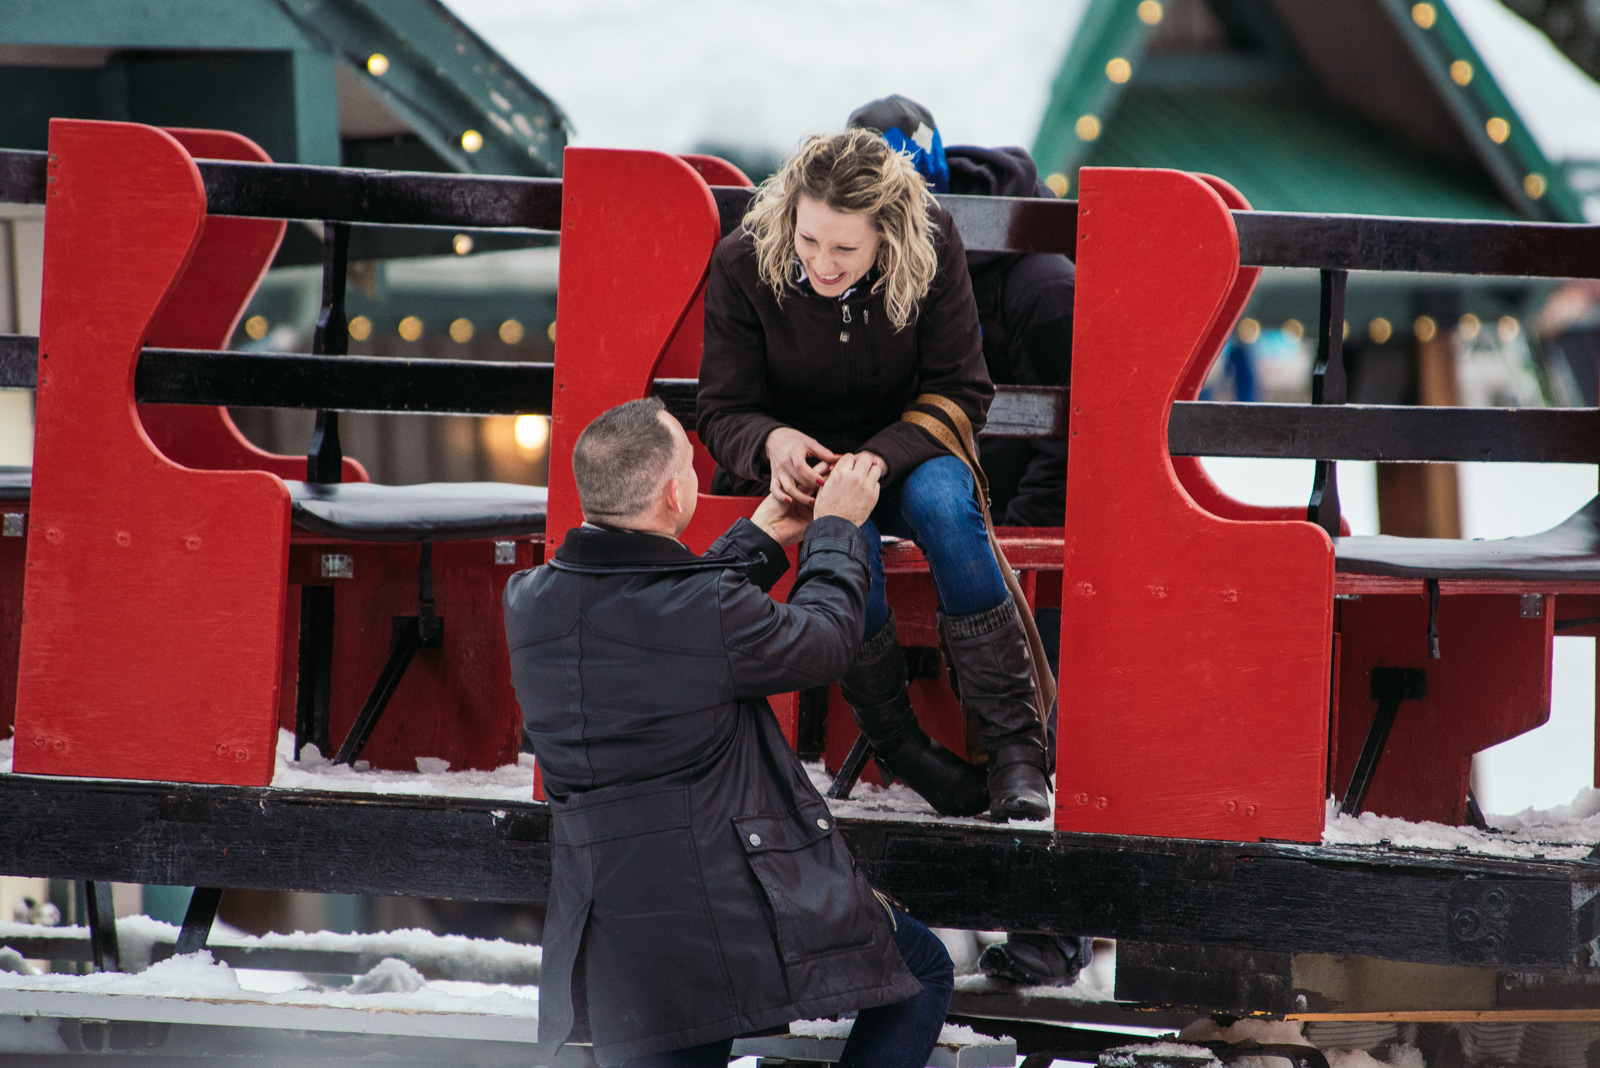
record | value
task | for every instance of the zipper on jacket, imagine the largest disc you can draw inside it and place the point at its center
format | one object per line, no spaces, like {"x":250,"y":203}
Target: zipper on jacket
{"x":848,"y":356}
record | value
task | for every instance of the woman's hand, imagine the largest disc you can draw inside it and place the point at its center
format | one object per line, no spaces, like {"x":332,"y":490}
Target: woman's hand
{"x":789,"y":454}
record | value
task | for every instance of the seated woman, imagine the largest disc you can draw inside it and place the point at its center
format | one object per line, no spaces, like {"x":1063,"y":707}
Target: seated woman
{"x":842,"y":297}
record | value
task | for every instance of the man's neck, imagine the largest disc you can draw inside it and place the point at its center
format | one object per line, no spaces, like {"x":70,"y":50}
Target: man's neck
{"x":631,"y":526}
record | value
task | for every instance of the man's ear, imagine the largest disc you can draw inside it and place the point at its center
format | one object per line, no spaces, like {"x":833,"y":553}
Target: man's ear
{"x":674,"y":494}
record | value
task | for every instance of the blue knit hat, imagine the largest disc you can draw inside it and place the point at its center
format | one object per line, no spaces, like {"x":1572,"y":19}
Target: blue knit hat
{"x":909,"y":128}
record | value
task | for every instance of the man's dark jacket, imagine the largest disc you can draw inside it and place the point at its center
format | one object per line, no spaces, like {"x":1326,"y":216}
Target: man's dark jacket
{"x":1025,"y":309}
{"x":699,"y":888}
{"x":837,"y":370}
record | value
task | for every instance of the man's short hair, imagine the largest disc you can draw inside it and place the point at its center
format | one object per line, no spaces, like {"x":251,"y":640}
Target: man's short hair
{"x":622,"y":459}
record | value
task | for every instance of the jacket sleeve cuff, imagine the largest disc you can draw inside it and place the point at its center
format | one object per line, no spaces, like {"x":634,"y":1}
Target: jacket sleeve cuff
{"x":834,"y":534}
{"x":903,"y":447}
{"x":746,"y":539}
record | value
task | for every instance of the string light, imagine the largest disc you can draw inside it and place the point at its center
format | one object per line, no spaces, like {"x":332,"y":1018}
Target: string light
{"x":471,"y":140}
{"x":510,"y":331}
{"x":1424,"y":15}
{"x":1150,"y":12}
{"x":461,"y":331}
{"x":1058,"y":184}
{"x":1425,"y":328}
{"x":462,"y":244}
{"x":1508,"y":328}
{"x":360,"y":328}
{"x":551,"y":332}
{"x":1087,"y":127}
{"x":1498,"y":130}
{"x":410,"y":328}
{"x":1293,"y":328}
{"x":255,"y":327}
{"x":1249,"y":331}
{"x":377,"y":64}
{"x":1534,"y":185}
{"x":1119,"y":70}
{"x":1380,"y":330}
{"x":1469,"y":326}
{"x":1461,"y":72}
{"x":532,"y":433}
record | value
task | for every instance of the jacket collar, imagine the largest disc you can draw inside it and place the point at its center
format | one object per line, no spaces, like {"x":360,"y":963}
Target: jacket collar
{"x":591,"y":548}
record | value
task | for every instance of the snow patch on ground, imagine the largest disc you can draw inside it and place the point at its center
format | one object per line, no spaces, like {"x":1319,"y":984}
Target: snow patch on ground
{"x":1125,"y":1056}
{"x":1566,"y":832}
{"x":199,"y":975}
{"x":313,"y":771}
{"x":1400,"y":1056}
{"x":952,"y":1035}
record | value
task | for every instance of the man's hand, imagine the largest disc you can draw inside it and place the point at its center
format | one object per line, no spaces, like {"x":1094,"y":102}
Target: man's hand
{"x":789,"y":454}
{"x":851,"y":491}
{"x":784,"y":523}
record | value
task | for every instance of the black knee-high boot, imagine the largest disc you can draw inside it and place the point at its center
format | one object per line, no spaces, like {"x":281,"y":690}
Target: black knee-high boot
{"x":875,"y":686}
{"x":994,"y":673}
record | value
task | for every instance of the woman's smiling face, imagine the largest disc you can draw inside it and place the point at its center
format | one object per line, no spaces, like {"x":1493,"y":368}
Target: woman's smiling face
{"x":835,"y":247}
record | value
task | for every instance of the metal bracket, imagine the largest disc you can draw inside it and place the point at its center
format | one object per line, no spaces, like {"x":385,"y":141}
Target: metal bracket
{"x":1531,"y":606}
{"x":505,"y":552}
{"x":854,"y":763}
{"x":14,"y":525}
{"x":338,"y":566}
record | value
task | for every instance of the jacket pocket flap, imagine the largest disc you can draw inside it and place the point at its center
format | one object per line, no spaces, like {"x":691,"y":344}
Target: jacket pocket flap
{"x":783,"y":833}
{"x":620,"y":813}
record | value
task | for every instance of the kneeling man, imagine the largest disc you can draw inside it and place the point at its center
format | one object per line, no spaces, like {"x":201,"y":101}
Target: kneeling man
{"x":699,"y":888}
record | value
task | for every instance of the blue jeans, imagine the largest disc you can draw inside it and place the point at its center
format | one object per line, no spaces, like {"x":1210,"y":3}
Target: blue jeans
{"x":934,"y":507}
{"x":900,"y":1035}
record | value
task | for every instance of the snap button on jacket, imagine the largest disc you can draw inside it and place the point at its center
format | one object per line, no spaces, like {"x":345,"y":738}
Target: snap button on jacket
{"x":699,"y":888}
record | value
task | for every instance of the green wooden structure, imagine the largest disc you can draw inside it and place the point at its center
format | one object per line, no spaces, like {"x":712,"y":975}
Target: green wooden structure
{"x":1378,"y":107}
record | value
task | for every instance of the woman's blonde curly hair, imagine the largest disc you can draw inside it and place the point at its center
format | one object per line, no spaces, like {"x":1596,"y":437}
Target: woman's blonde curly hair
{"x":855,"y":172}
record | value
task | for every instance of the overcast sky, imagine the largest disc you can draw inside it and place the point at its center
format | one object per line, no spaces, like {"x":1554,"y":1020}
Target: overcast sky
{"x":766,"y":73}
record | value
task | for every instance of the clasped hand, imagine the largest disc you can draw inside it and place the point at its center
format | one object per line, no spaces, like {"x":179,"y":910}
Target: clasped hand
{"x":849,"y":489}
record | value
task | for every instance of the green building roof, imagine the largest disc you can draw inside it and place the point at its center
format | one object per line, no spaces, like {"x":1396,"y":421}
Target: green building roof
{"x":1376,"y":107}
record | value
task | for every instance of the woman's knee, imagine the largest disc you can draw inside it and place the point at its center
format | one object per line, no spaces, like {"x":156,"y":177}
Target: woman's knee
{"x":924,"y":953}
{"x":939,"y":493}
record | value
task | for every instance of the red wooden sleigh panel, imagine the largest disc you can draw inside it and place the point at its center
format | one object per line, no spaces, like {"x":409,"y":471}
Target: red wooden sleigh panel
{"x":154,"y":599}
{"x":1195,"y":649}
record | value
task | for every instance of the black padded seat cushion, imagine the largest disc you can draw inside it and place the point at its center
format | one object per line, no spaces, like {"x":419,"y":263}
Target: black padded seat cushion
{"x":1567,"y":553}
{"x":432,"y":511}
{"x":16,"y":483}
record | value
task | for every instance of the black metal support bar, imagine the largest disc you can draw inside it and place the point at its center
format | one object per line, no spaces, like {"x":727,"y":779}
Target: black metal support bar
{"x":330,"y":338}
{"x":1328,"y":386}
{"x":855,"y":762}
{"x":1433,"y":619}
{"x":425,"y":630}
{"x":197,"y":920}
{"x":407,"y":640}
{"x":102,"y":925}
{"x":1390,"y":686}
{"x":315,"y":681}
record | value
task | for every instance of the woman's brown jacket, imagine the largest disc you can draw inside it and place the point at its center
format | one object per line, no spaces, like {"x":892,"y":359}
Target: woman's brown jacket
{"x":835,"y":369}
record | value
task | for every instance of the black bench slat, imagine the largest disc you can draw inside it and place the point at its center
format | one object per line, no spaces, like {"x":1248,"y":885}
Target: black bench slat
{"x":432,"y":511}
{"x":1196,"y":428}
{"x":989,"y":224}
{"x":1385,"y":432}
{"x":1566,"y":553}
